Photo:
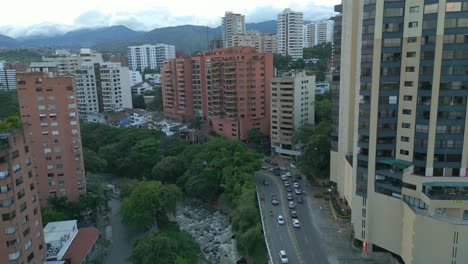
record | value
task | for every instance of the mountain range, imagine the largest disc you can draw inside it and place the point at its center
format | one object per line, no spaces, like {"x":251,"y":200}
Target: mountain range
{"x":187,"y":38}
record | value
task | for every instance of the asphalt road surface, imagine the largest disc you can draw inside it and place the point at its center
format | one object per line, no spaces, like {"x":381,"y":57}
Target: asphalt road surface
{"x":303,"y":245}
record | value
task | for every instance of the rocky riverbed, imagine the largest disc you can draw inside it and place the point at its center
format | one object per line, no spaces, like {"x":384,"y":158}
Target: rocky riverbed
{"x":210,"y":228}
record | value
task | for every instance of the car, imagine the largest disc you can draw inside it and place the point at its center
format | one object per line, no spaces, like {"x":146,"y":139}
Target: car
{"x":283,"y":256}
{"x":292,"y":205}
{"x":267,"y":160}
{"x":270,"y":169}
{"x":286,"y":184}
{"x":284,"y":178}
{"x":296,"y":185}
{"x":289,"y":189}
{"x":274,"y":200}
{"x":290,"y":197}
{"x":277,"y":173}
{"x":300,"y":200}
{"x":288,"y":174}
{"x":298,"y":176}
{"x":274,"y":163}
{"x":265,"y":167}
{"x":266,"y":182}
{"x":283,"y":168}
{"x":296,"y":223}
{"x":280,"y":220}
{"x":293,"y":213}
{"x":297,"y":191}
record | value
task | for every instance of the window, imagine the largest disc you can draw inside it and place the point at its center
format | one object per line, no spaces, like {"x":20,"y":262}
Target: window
{"x":407,"y":111}
{"x":410,"y":54}
{"x":41,"y":107}
{"x":405,"y":139}
{"x":405,"y":125}
{"x":10,"y":230}
{"x":12,"y":243}
{"x":26,"y":232}
{"x":453,"y":7}
{"x":14,"y":256}
{"x":413,"y":24}
{"x":431,"y":8}
{"x":409,"y":84}
{"x":27,"y":245}
{"x":55,"y":132}
{"x":30,"y":257}
{"x":409,"y":69}
{"x":414,"y":9}
{"x":411,"y":39}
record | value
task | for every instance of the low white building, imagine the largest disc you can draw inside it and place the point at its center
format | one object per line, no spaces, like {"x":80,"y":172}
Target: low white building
{"x":154,"y":78}
{"x":58,"y":237}
{"x":135,"y":77}
{"x":141,"y":87}
{"x":322,"y":87}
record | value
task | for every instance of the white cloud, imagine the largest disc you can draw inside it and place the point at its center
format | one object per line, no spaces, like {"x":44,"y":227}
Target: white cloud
{"x":52,"y":17}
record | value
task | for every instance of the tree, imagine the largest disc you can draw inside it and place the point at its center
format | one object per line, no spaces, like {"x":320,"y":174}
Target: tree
{"x":166,"y":246}
{"x":149,"y":203}
{"x":144,"y":155}
{"x":256,"y":136}
{"x":302,"y":134}
{"x":281,"y":62}
{"x":168,"y":170}
{"x":51,"y":215}
{"x":196,"y":122}
{"x":299,"y":64}
{"x":323,"y":110}
{"x":315,"y":159}
{"x":156,"y":104}
{"x":93,"y":162}
{"x":96,"y":199}
{"x":138,"y":101}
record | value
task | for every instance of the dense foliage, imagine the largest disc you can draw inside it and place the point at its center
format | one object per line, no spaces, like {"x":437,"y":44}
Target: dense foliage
{"x":20,"y":55}
{"x":166,"y":246}
{"x":9,"y":104}
{"x":138,"y":101}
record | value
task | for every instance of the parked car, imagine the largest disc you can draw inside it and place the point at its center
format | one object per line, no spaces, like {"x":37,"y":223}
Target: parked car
{"x":274,"y":163}
{"x":286,"y":184}
{"x":277,"y":173}
{"x":293,"y":213}
{"x":265,"y":167}
{"x":280,"y":220}
{"x":298,"y":176}
{"x":292,"y":205}
{"x":267,"y":160}
{"x":297,"y":191}
{"x":283,"y":168}
{"x":266,"y":182}
{"x":288,"y":174}
{"x":290,"y":197}
{"x":284,"y":178}
{"x":296,"y":223}
{"x":283,"y":256}
{"x":296,"y":185}
{"x":274,"y":200}
{"x":300,"y":200}
{"x":289,"y":189}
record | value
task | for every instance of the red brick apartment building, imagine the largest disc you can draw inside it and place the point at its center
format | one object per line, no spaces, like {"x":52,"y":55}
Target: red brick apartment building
{"x":21,"y":233}
{"x":50,"y":118}
{"x":228,"y":87}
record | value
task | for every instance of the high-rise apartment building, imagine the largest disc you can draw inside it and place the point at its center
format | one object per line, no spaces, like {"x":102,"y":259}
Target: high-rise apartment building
{"x":290,"y":34}
{"x":102,"y":87}
{"x":231,"y":25}
{"x":399,"y":153}
{"x":228,"y":88}
{"x":68,"y":63}
{"x":319,"y":32}
{"x":21,"y":236}
{"x":263,"y":42}
{"x":7,"y":78}
{"x":292,"y":106}
{"x":149,"y":56}
{"x":49,"y":112}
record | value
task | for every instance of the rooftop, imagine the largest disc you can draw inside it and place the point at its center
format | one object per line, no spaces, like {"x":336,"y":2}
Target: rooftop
{"x":81,"y":245}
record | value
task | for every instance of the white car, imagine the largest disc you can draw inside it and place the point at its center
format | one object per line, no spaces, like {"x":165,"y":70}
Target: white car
{"x":288,"y":174}
{"x":284,"y":177}
{"x":296,"y":185}
{"x":280,"y":220}
{"x":283,"y":256}
{"x":297,"y":191}
{"x":291,"y":205}
{"x":295,"y":223}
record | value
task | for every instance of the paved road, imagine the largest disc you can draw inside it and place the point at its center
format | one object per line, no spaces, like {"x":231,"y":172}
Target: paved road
{"x":122,"y":236}
{"x":279,"y":236}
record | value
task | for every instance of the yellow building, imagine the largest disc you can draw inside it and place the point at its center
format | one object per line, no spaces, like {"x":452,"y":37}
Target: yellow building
{"x":399,"y":126}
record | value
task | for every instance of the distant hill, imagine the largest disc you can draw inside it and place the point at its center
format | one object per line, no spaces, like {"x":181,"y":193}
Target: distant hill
{"x":188,"y":38}
{"x":7,"y":42}
{"x":83,"y":38}
{"x":262,"y":27}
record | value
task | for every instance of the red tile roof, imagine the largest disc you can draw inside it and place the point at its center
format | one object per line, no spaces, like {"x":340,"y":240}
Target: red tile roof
{"x":81,"y":245}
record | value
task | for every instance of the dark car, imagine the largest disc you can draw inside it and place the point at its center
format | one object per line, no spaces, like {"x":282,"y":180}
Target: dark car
{"x":266,"y":182}
{"x":293,"y":213}
{"x":267,"y":160}
{"x":277,"y":173}
{"x":289,"y":189}
{"x":274,"y":163}
{"x":290,"y":197}
{"x":300,"y":200}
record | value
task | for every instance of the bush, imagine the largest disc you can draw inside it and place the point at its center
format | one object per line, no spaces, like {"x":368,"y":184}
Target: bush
{"x":318,"y":195}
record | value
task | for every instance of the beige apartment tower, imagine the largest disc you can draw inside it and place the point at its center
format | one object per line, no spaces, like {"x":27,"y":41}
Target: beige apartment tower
{"x":231,"y":25}
{"x":400,"y":129}
{"x":292,"y":106}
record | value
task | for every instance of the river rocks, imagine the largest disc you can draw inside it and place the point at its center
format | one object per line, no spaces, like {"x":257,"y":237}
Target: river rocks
{"x":211,"y":229}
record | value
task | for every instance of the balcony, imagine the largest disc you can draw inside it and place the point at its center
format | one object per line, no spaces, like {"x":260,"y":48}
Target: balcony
{"x":457,"y":191}
{"x":4,"y":174}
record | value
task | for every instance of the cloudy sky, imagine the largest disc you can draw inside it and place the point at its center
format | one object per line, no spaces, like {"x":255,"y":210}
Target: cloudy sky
{"x":32,"y":17}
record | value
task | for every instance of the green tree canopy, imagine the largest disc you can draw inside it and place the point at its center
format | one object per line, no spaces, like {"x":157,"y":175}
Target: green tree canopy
{"x":256,"y":136}
{"x":315,"y":159}
{"x":138,"y":101}
{"x":323,"y":110}
{"x":9,"y":104}
{"x":168,"y":170}
{"x":93,"y":162}
{"x":149,"y":203}
{"x":166,"y":246}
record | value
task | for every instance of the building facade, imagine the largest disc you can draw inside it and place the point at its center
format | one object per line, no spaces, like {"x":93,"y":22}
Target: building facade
{"x":135,"y":77}
{"x":292,"y":106}
{"x":319,"y":32}
{"x":68,"y":63}
{"x":263,"y":42}
{"x":49,"y":112}
{"x":399,"y":156}
{"x":7,"y":78}
{"x":231,"y":25}
{"x":149,"y":56}
{"x":102,"y":87}
{"x":21,"y":233}
{"x":290,"y":34}
{"x":228,"y":88}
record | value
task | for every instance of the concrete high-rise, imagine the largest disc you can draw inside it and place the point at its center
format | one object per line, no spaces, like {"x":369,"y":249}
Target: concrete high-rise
{"x":21,"y":236}
{"x":290,"y":34}
{"x":102,"y":87}
{"x":292,"y":106}
{"x":68,"y":63}
{"x":7,"y":78}
{"x":149,"y":56}
{"x":319,"y":32}
{"x":231,"y":25}
{"x":263,"y":42}
{"x":228,"y":88}
{"x":399,"y":153}
{"x":50,"y":116}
